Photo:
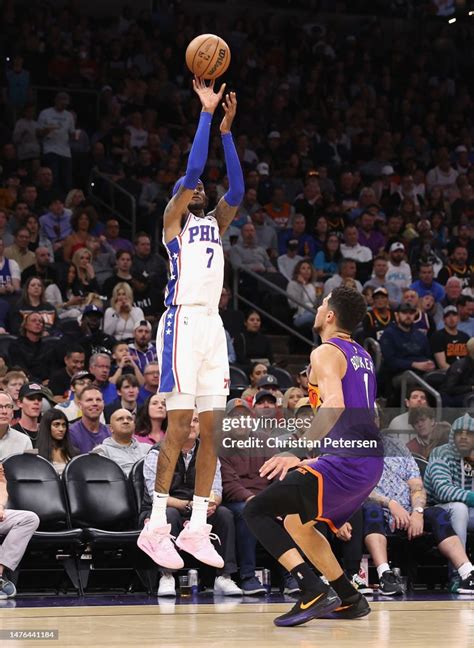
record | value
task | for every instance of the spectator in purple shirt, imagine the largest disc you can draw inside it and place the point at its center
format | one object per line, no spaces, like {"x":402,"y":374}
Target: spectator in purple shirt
{"x":89,"y":432}
{"x":112,"y":231}
{"x":368,"y":235}
{"x":56,"y":224}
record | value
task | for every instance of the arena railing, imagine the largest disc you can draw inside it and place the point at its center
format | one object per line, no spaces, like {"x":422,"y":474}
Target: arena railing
{"x":373,"y":347}
{"x":238,"y":297}
{"x":104,"y":192}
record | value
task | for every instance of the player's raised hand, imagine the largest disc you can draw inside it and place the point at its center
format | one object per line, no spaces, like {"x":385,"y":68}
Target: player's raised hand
{"x":278,"y":465}
{"x":230,"y":108}
{"x":209,"y":99}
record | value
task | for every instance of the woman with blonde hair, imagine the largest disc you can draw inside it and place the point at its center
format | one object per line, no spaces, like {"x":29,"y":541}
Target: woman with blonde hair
{"x":121,"y":316}
{"x":85,"y":281}
{"x":74,"y":199}
{"x":291,"y":397}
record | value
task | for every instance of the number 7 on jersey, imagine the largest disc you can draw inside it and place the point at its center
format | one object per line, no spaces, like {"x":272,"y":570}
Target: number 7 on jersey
{"x":210,"y":251}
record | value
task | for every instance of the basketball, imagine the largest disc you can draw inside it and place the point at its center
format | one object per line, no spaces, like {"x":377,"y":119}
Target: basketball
{"x":208,"y":56}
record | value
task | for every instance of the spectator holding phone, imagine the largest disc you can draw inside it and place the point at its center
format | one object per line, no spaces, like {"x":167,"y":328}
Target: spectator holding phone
{"x":124,"y":364}
{"x":120,"y":318}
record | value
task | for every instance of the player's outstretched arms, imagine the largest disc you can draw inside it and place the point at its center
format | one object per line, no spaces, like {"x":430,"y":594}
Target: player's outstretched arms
{"x":184,"y":189}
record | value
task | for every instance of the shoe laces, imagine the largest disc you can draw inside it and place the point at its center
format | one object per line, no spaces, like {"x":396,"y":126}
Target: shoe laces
{"x":203,"y":535}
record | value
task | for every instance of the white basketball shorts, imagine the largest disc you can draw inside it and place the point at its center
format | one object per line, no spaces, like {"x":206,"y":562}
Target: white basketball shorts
{"x":192,"y":352}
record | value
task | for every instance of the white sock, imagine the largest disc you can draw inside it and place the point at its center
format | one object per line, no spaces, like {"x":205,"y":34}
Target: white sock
{"x":199,"y":514}
{"x":158,"y":512}
{"x":465,"y":569}
{"x":382,"y":568}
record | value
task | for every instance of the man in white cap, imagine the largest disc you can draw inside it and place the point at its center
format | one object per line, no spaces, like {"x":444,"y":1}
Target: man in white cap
{"x":399,"y":272}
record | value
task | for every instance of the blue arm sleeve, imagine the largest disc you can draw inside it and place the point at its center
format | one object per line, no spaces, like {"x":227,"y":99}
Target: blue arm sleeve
{"x":198,"y":153}
{"x":234,"y":195}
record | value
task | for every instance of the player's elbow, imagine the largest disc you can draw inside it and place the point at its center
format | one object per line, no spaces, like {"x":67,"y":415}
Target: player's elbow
{"x":234,"y":197}
{"x":335,"y":401}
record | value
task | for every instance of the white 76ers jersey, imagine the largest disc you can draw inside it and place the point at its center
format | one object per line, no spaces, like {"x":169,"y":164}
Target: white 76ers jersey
{"x":196,"y":264}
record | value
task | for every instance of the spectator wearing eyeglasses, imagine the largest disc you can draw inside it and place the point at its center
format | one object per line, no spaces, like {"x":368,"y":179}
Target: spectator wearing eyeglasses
{"x":152,"y":380}
{"x":11,"y":441}
{"x":99,"y":366}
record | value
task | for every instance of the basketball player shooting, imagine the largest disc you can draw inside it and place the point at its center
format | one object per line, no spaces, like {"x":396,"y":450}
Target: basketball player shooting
{"x":332,"y":487}
{"x":191,"y":341}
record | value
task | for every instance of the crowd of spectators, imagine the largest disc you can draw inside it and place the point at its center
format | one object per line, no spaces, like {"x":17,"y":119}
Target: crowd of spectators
{"x":356,"y":142}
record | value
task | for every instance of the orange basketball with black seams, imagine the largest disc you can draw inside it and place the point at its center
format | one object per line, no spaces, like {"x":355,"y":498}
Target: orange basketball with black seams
{"x":208,"y":56}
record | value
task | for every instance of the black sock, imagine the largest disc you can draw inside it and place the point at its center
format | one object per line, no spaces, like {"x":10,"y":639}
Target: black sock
{"x":307,"y":579}
{"x":344,"y":589}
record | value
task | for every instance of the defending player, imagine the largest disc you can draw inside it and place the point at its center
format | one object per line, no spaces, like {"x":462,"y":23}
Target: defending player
{"x":333,"y":486}
{"x":191,"y":343}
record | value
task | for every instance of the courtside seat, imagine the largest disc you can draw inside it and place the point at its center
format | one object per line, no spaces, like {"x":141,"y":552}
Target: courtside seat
{"x":102,"y":503}
{"x":137,"y":482}
{"x":34,"y":485}
{"x":100,"y":499}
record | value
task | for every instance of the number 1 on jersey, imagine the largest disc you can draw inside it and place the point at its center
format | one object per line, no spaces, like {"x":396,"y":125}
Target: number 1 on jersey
{"x":210,"y":251}
{"x":366,"y":383}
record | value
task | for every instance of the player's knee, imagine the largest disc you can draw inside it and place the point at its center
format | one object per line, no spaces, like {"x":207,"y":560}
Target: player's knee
{"x":292,"y":524}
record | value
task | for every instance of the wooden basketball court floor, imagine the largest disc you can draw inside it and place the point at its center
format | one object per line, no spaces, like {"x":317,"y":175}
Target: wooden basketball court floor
{"x":392,"y":624}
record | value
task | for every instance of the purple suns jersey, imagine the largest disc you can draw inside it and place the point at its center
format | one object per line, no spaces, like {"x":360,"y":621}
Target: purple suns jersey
{"x":351,"y":462}
{"x":359,"y":385}
{"x":357,"y":421}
